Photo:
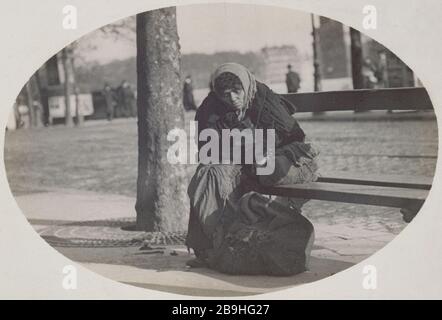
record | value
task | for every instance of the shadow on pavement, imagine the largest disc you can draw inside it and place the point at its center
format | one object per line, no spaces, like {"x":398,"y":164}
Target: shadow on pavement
{"x":165,"y":270}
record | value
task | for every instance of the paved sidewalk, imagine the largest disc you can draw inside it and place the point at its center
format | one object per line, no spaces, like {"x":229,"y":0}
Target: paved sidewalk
{"x":73,"y":214}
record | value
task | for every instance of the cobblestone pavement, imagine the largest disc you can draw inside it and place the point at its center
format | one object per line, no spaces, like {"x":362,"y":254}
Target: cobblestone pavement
{"x":103,"y":158}
{"x":382,"y":147}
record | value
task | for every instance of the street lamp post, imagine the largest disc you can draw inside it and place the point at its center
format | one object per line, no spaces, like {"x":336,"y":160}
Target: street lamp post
{"x":317,"y":73}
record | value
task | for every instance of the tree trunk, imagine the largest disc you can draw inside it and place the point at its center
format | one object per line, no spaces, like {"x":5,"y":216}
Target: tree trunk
{"x":78,"y":116}
{"x":162,"y":203}
{"x":317,"y":74}
{"x":67,"y":86}
{"x":30,"y":103}
{"x":38,"y":89}
{"x":33,"y":94}
{"x":356,"y":59}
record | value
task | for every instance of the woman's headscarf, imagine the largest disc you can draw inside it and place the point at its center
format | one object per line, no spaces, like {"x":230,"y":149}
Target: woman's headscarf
{"x":245,"y":76}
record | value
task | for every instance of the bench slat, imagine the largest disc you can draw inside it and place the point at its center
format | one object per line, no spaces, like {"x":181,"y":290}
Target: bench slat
{"x":360,"y":194}
{"x":402,"y":181}
{"x":363,"y":99}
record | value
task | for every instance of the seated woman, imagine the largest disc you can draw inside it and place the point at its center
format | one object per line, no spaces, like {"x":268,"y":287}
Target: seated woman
{"x":231,"y":228}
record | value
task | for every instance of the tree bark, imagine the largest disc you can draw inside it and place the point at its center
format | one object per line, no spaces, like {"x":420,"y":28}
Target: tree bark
{"x":162,"y":203}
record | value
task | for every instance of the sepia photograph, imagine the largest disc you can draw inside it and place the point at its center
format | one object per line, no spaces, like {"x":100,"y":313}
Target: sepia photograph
{"x":221,"y":150}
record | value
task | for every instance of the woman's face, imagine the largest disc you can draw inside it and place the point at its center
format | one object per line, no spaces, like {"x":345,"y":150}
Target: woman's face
{"x":234,"y":97}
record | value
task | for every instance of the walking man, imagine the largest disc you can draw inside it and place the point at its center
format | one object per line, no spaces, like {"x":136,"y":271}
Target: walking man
{"x":188,"y":99}
{"x":109,"y":98}
{"x":292,"y":80}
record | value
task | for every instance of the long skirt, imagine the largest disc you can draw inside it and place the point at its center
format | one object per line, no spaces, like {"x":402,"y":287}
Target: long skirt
{"x":239,"y":231}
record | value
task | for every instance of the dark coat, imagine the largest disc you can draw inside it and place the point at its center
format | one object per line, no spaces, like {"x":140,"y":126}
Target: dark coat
{"x":292,"y":81}
{"x":267,"y":111}
{"x":126,"y":101}
{"x":109,"y":98}
{"x":188,"y":100}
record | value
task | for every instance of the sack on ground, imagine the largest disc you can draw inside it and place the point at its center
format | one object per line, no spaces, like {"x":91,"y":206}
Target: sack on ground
{"x":268,"y":237}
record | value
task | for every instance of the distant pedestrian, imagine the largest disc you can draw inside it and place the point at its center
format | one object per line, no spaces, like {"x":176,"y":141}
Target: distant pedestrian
{"x":126,"y":100}
{"x":21,"y":112}
{"x":109,"y":98}
{"x":188,"y":99}
{"x":292,"y":80}
{"x":369,"y":72}
{"x":47,"y":120}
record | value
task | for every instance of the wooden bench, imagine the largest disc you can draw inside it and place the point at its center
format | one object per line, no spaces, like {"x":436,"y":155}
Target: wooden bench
{"x":403,"y":192}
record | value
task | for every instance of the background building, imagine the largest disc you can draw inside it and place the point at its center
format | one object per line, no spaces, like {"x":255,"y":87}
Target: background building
{"x":334,"y":55}
{"x":51,"y":80}
{"x":395,"y":73}
{"x":276,"y":60}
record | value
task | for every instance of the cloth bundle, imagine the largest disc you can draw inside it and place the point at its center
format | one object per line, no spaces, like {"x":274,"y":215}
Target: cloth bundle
{"x":268,"y":237}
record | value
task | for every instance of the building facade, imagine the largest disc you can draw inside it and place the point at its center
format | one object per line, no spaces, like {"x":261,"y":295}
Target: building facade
{"x":276,"y":60}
